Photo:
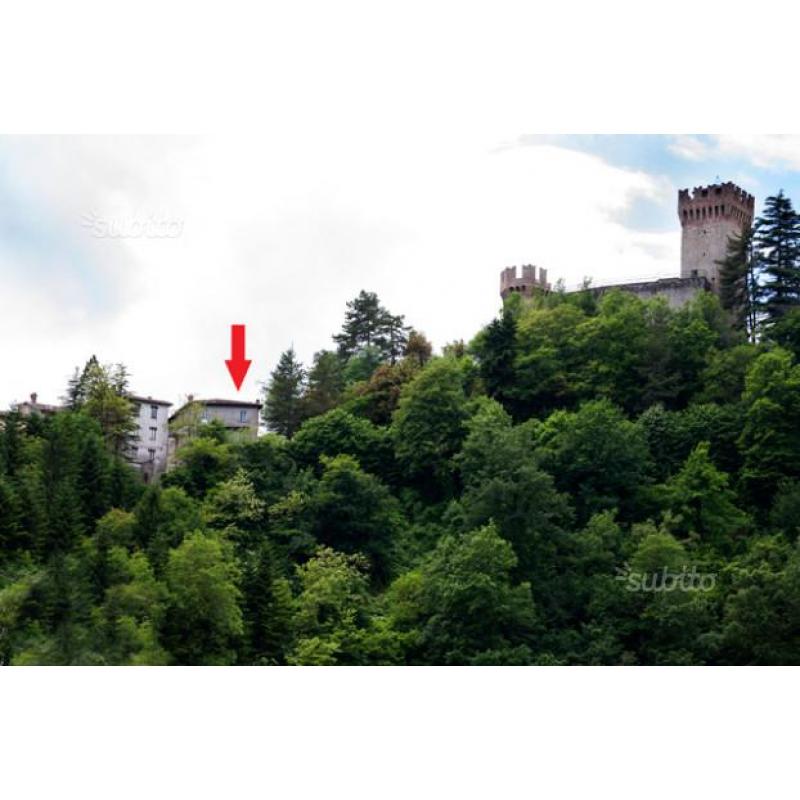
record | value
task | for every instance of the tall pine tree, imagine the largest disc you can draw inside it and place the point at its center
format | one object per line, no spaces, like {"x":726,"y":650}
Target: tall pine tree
{"x":325,"y":384}
{"x":777,"y":236}
{"x":367,"y":324}
{"x":740,"y":290}
{"x":283,"y":409}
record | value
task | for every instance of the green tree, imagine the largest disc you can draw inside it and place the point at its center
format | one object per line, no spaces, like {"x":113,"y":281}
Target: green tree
{"x":104,"y":396}
{"x":700,"y":501}
{"x":283,"y":407}
{"x":596,"y":456}
{"x":777,"y":236}
{"x":338,"y":432}
{"x":762,"y":607}
{"x":325,"y":384}
{"x":428,"y":426}
{"x":496,"y":350}
{"x":334,"y":622}
{"x":204,"y":618}
{"x":202,"y":463}
{"x":132,"y":611}
{"x":354,"y":512}
{"x":418,"y":348}
{"x":377,"y":398}
{"x":770,"y":437}
{"x":363,"y":324}
{"x":740,"y":289}
{"x":465,"y":604}
{"x":368,"y":324}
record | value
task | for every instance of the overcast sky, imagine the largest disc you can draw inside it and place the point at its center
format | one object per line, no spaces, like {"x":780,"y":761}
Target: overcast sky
{"x":145,"y":250}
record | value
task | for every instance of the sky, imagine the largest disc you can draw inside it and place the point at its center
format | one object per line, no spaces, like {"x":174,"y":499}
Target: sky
{"x":144,"y":250}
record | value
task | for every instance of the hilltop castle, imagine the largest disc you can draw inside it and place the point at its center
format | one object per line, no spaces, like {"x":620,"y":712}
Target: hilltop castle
{"x":708,"y":216}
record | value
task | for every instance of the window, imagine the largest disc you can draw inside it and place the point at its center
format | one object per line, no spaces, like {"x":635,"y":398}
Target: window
{"x":153,"y":434}
{"x":242,"y":416}
{"x":153,"y":412}
{"x":151,"y":455}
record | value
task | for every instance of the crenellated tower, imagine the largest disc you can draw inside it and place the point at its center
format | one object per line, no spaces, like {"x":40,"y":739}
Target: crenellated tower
{"x":709,"y":215}
{"x":525,"y":284}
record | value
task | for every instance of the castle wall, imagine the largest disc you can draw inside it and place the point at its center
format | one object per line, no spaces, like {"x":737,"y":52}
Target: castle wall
{"x":676,"y":291}
{"x":703,"y":245}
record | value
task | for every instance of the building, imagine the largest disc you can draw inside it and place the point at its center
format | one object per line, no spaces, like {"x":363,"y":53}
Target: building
{"x":709,"y":216}
{"x":238,"y":417}
{"x":33,"y":406}
{"x":150,"y":447}
{"x":526,"y":284}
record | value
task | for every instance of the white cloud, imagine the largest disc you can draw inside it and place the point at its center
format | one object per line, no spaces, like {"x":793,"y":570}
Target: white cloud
{"x":761,"y":150}
{"x":279,"y":232}
{"x":689,"y":147}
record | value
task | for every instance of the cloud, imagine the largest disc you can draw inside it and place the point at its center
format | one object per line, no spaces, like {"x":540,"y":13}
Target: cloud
{"x":689,"y":147}
{"x":768,"y":151}
{"x":278,"y":233}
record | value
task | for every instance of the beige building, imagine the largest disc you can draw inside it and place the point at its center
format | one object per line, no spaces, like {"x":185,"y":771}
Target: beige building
{"x":33,"y":406}
{"x":238,"y":417}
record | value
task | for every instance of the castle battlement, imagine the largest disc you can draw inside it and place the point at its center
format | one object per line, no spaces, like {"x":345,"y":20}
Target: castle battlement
{"x":525,"y":283}
{"x":717,"y":201}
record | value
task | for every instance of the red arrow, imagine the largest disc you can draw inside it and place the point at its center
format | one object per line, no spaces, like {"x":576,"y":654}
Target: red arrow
{"x":237,"y":364}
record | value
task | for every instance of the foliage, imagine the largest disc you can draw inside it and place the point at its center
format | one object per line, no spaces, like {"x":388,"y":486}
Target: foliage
{"x":523,"y":500}
{"x":283,"y":408}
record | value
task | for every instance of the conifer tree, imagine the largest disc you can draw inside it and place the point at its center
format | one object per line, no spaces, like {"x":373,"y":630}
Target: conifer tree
{"x":368,"y":324}
{"x":393,"y":336}
{"x":325,"y":384}
{"x":283,"y":409}
{"x":363,"y":324}
{"x":777,"y":235}
{"x":496,"y":351}
{"x":740,"y":289}
{"x":418,"y":348}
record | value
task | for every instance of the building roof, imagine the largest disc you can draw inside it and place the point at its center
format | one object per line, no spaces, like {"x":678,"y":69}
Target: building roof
{"x":218,"y":402}
{"x":46,"y":408}
{"x":214,"y":401}
{"x":139,"y":399}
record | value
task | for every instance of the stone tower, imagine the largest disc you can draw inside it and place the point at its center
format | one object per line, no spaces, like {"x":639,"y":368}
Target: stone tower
{"x":709,"y":215}
{"x":525,"y":284}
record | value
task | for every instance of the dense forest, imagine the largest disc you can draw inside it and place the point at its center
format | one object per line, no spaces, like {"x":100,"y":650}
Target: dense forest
{"x":590,"y":480}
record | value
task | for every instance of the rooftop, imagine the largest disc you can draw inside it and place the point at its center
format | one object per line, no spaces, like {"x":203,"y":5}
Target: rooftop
{"x":139,"y":399}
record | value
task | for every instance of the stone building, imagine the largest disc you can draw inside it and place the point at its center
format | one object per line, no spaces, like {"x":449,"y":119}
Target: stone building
{"x":709,"y":215}
{"x":33,"y":406}
{"x":526,"y":284}
{"x":150,"y":447}
{"x":239,"y":418}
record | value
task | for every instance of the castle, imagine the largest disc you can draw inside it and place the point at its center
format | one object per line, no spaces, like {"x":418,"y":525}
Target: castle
{"x":709,"y":215}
